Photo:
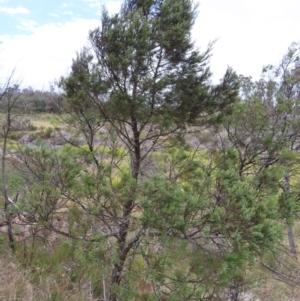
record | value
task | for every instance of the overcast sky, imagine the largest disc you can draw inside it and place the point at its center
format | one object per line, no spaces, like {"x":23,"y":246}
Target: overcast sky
{"x":40,"y":37}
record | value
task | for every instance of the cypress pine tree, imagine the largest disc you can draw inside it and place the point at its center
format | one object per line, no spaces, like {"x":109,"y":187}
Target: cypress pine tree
{"x":144,"y":77}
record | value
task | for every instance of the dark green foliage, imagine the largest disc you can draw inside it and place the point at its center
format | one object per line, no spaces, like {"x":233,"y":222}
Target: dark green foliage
{"x":147,"y":67}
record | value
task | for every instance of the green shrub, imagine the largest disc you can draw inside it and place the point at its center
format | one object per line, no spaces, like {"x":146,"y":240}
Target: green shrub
{"x":15,"y":135}
{"x":47,"y":132}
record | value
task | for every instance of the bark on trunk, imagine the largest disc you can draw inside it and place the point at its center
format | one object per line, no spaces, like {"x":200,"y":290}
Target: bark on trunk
{"x":290,"y":233}
{"x":7,"y":204}
{"x":123,"y":246}
{"x":291,"y":239}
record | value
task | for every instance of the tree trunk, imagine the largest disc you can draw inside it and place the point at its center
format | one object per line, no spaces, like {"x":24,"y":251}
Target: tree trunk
{"x":123,"y":247}
{"x":234,"y":291}
{"x":7,"y":203}
{"x":291,"y":238}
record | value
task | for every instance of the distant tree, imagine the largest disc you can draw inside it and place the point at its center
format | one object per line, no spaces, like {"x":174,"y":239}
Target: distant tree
{"x":25,"y":102}
{"x":9,"y":93}
{"x":37,"y":101}
{"x":279,"y":93}
{"x":262,"y":137}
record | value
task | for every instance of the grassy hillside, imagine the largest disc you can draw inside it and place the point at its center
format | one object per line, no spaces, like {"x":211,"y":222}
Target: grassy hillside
{"x":49,"y":264}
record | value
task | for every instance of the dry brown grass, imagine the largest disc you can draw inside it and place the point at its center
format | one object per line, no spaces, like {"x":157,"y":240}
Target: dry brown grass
{"x":19,"y":284}
{"x":15,"y":284}
{"x":42,"y":124}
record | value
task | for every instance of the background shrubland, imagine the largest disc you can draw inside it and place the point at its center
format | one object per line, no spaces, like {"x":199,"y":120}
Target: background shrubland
{"x":143,"y":180}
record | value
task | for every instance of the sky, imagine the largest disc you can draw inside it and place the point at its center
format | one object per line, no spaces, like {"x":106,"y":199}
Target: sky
{"x":40,"y":38}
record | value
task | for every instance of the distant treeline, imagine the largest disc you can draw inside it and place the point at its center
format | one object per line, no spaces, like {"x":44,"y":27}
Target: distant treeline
{"x":36,"y":101}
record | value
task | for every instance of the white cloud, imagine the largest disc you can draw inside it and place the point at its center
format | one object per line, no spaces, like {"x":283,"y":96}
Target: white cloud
{"x":14,"y":10}
{"x":112,"y":6}
{"x":94,"y":3}
{"x":54,"y":15}
{"x":46,"y":53}
{"x":250,"y":33}
{"x":64,"y":5}
{"x":70,"y":13}
{"x":28,"y":25}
